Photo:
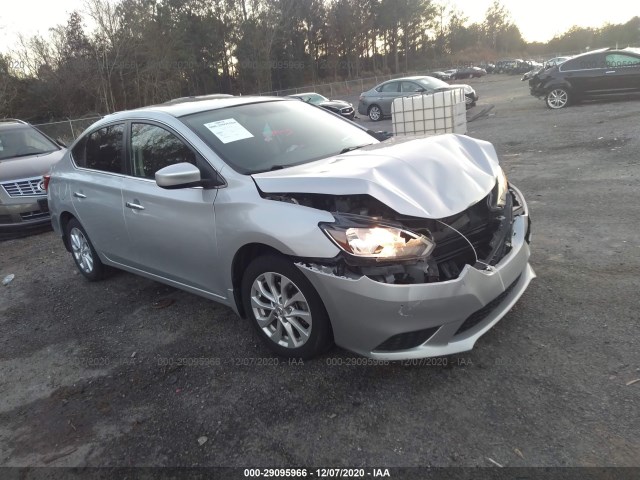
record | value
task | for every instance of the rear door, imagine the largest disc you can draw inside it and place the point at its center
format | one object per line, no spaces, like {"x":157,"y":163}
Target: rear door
{"x":173,"y":231}
{"x":387,"y":93}
{"x":622,"y":72}
{"x":96,"y":190}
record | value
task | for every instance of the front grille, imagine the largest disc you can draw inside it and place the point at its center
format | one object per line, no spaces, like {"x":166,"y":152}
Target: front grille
{"x":29,"y":187}
{"x":405,"y":341}
{"x":479,"y":315}
{"x":487,"y":231}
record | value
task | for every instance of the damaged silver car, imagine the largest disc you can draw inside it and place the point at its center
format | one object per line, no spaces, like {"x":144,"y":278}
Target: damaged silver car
{"x":302,"y":222}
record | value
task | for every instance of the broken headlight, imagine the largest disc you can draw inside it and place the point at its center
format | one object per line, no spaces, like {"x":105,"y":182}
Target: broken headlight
{"x":379,"y":242}
{"x":498,"y":197}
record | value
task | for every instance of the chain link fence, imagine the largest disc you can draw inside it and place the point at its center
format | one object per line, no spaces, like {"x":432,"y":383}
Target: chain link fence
{"x":67,"y":130}
{"x":345,"y":87}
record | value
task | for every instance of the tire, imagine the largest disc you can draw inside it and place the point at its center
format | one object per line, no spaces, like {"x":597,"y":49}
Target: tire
{"x":557,"y":98}
{"x":83,"y":253}
{"x":285,"y":308}
{"x":375,"y":113}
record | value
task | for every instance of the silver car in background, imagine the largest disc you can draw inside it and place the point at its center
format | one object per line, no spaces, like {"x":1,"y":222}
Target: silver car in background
{"x":302,"y":222}
{"x":376,"y":103}
{"x":26,"y":155}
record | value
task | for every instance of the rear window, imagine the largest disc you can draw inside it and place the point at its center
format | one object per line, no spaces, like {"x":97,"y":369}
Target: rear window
{"x":101,"y":150}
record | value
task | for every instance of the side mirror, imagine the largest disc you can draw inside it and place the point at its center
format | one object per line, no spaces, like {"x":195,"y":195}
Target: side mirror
{"x":179,"y":175}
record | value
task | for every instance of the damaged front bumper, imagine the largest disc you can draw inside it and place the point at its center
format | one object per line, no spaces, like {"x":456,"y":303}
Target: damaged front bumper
{"x":396,"y":322}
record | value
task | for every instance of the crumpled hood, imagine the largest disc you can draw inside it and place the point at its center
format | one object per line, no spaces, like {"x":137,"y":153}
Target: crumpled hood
{"x":432,"y":177}
{"x":29,"y":166}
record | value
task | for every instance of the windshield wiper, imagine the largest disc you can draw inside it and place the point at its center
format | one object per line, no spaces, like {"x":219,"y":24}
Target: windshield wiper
{"x":350,"y":149}
{"x":25,"y":155}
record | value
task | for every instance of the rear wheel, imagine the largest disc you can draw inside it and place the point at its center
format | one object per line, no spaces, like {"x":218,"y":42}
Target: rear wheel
{"x":557,"y":98}
{"x":285,"y":308}
{"x":375,"y":113}
{"x":84,"y":255}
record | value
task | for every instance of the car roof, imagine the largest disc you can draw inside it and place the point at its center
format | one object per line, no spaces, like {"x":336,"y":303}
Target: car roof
{"x":414,"y":77}
{"x":6,"y":123}
{"x":591,"y":52}
{"x":188,"y":107}
{"x":304,"y":93}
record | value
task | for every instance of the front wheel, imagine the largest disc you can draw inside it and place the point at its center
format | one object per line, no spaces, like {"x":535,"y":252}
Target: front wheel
{"x":84,"y":255}
{"x":285,"y":308}
{"x":375,"y":113}
{"x":557,"y":98}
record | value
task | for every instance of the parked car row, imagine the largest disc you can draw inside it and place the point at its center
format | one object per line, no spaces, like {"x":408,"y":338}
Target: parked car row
{"x":459,"y":73}
{"x":516,"y":66}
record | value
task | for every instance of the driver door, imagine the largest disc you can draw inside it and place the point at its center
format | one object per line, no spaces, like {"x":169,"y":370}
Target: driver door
{"x":173,"y":231}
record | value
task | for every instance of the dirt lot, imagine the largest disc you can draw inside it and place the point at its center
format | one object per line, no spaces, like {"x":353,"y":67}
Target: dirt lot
{"x":129,"y":372}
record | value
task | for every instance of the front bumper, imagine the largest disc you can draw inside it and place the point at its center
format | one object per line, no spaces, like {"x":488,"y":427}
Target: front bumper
{"x":32,"y":213}
{"x":537,"y":88}
{"x":366,"y":314}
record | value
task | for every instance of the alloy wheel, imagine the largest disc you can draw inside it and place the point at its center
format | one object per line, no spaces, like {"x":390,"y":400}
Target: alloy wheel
{"x":375,"y":113}
{"x":281,"y":310}
{"x":557,"y":98}
{"x":81,"y":250}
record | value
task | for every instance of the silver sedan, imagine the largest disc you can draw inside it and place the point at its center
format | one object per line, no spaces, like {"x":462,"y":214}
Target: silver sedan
{"x":376,"y":103}
{"x":302,"y":222}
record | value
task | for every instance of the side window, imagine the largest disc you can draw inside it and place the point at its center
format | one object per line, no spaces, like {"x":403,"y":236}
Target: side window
{"x":587,"y":62}
{"x":411,"y":87}
{"x":618,"y":60}
{"x":389,"y":87}
{"x":101,"y":150}
{"x":153,"y":148}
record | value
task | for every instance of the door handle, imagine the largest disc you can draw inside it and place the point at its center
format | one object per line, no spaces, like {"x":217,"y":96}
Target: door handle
{"x":79,"y":195}
{"x":610,"y":71}
{"x":134,"y":206}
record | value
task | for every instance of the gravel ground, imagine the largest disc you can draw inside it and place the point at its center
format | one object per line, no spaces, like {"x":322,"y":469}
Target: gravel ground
{"x":128,"y":372}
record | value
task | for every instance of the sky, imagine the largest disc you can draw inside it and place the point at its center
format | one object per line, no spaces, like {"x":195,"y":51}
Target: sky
{"x":538,"y":20}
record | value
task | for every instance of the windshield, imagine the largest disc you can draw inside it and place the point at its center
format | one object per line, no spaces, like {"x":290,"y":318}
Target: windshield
{"x":23,"y":141}
{"x":259,"y":137}
{"x":432,"y":83}
{"x":316,"y":98}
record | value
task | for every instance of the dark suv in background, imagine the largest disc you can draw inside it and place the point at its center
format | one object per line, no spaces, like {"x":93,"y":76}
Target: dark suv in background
{"x":600,"y":73}
{"x":26,"y":155}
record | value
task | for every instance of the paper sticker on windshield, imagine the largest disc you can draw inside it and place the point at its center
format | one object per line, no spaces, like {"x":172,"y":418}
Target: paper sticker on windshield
{"x":228,"y":130}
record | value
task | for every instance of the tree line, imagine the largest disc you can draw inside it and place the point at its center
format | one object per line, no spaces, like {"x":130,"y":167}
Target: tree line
{"x":141,"y":52}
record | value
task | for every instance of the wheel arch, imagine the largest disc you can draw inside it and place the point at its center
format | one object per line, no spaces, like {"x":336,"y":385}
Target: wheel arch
{"x":65,"y":218}
{"x":241,"y":260}
{"x":553,"y":84}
